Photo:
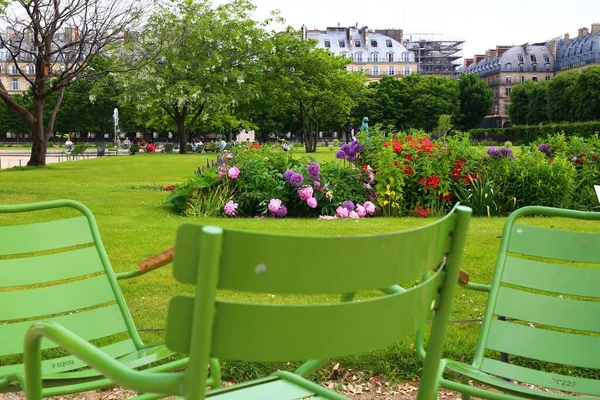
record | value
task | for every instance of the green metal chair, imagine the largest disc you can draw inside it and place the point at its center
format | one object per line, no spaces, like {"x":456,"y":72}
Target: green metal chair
{"x":203,"y":326}
{"x":58,"y":271}
{"x":527,"y":317}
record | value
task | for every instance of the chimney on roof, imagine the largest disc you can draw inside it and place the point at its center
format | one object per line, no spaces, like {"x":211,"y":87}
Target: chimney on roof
{"x":581,"y":33}
{"x":566,"y":38}
{"x":468,"y":61}
{"x":491,"y":53}
{"x":304,"y":32}
{"x":595,"y":28}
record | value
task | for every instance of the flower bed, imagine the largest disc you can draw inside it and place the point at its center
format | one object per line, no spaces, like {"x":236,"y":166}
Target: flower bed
{"x":394,"y":175}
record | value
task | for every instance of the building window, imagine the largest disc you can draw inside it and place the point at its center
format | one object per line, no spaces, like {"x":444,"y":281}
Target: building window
{"x":521,"y":67}
{"x":520,"y":57}
{"x":533,"y":58}
{"x":592,"y":45}
{"x":342,"y":43}
{"x":357,"y":43}
{"x":547,"y":77}
{"x":15,"y":84}
{"x":390,"y":57}
{"x":535,"y":79}
{"x":31,"y":69}
{"x":547,"y":67}
{"x":375,"y":57}
{"x":406,"y":56}
{"x":392,"y":71}
{"x":534,"y":67}
{"x":388,"y":42}
{"x":508,"y":90}
{"x":375,"y":70}
{"x":522,"y":79}
{"x":13,"y":69}
{"x":407,"y":70}
{"x":358,"y":56}
{"x":359,"y":69}
{"x":546,"y":58}
{"x":508,"y":66}
{"x":373,"y":43}
{"x":509,"y":79}
{"x":327,"y":43}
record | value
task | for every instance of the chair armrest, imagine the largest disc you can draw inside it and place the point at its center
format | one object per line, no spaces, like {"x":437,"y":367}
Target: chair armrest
{"x":137,"y":380}
{"x":149,"y":264}
{"x":463,"y":280}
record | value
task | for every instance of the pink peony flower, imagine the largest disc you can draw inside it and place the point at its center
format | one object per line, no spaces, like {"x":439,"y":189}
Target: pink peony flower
{"x":312,"y":202}
{"x":233,"y":172}
{"x":369,"y":207}
{"x":342,"y":212}
{"x":277,"y":208}
{"x":222,"y":172}
{"x":353,"y":214}
{"x":305,"y":192}
{"x":230,"y":208}
{"x":361,"y":211}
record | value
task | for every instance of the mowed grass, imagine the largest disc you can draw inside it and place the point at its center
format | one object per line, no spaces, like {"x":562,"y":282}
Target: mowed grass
{"x":123,"y":194}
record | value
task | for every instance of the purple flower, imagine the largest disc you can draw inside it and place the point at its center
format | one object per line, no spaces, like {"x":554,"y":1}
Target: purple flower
{"x":312,"y":202}
{"x":313,"y":171}
{"x":494,"y":152}
{"x":277,"y":208}
{"x":348,"y":205}
{"x":369,"y":207}
{"x":230,"y":208}
{"x":506,"y":152}
{"x":348,"y":151}
{"x":305,"y":193}
{"x":544,"y":148}
{"x":341,"y":153}
{"x":233,"y":172}
{"x":293,"y":178}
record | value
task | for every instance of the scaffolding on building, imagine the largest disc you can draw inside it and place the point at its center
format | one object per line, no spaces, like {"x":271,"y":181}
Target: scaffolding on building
{"x":435,"y":56}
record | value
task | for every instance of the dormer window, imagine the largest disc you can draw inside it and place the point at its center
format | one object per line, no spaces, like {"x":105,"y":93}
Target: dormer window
{"x":342,"y":43}
{"x":388,"y":42}
{"x":508,"y":66}
{"x":546,"y":58}
{"x":357,"y":43}
{"x":533,"y":58}
{"x":520,"y":57}
{"x":327,"y":43}
{"x":373,"y":43}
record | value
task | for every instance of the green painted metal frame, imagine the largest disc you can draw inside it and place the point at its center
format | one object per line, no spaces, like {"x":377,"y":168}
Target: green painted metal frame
{"x":503,"y":380}
{"x":195,"y":329}
{"x":66,"y":383}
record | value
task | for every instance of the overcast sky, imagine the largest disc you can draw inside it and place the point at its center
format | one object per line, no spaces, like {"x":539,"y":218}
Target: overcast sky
{"x":483,"y":24}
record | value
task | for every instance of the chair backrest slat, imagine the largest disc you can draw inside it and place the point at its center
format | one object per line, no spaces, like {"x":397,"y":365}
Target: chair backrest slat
{"x":551,"y":277}
{"x":555,"y":243}
{"x":547,"y":310}
{"x":44,"y":236}
{"x":269,"y":263}
{"x":50,"y":267}
{"x":89,"y":325}
{"x":544,"y":345}
{"x":56,"y":299}
{"x":264,"y":332}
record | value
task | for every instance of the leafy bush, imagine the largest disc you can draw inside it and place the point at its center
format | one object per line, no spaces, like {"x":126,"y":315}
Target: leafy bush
{"x":336,"y":142}
{"x":527,"y":134}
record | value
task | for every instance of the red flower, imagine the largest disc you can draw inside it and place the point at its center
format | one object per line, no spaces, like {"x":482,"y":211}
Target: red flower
{"x":433,"y":182}
{"x":396,"y":163}
{"x":456,"y":172}
{"x":446,"y":197}
{"x":255,"y":146}
{"x":408,"y":170}
{"x":408,"y":157}
{"x":365,"y":167}
{"x":386,"y":144}
{"x":397,"y":145}
{"x":469,"y":178}
{"x":420,"y":211}
{"x":460,"y":163}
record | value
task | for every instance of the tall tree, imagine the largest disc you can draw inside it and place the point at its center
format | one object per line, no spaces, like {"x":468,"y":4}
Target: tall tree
{"x":52,"y":43}
{"x":519,"y":103}
{"x":560,"y":97}
{"x":537,"y":109}
{"x":433,"y":96}
{"x":587,"y":95}
{"x":205,"y":67}
{"x":476,"y":99}
{"x":316,"y":85}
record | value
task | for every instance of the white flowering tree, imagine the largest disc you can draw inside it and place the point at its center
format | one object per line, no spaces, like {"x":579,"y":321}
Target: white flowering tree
{"x":205,"y":68}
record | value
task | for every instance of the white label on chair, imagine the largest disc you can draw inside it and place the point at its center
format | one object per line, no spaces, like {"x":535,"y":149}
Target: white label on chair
{"x":597,"y":187}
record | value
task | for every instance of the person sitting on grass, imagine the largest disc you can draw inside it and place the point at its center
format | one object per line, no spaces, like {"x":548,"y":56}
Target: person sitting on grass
{"x":151,"y":148}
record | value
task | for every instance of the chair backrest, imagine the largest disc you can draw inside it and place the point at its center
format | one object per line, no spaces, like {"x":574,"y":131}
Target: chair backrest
{"x":213,"y":258}
{"x":543,"y":304}
{"x":57,"y":270}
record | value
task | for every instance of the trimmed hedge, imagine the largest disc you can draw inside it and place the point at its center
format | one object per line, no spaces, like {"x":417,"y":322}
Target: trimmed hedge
{"x":526,"y":134}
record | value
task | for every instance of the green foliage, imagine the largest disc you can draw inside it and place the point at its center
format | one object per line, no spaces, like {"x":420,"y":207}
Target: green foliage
{"x":336,"y":142}
{"x":476,"y":99}
{"x":529,"y":134}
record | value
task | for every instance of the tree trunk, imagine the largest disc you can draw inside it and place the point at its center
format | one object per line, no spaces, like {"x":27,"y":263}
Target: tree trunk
{"x":40,"y":141}
{"x":182,"y":132}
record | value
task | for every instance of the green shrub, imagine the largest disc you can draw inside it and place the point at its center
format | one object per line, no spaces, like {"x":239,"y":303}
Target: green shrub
{"x":134,"y":149}
{"x":336,"y":142}
{"x":528,"y":134}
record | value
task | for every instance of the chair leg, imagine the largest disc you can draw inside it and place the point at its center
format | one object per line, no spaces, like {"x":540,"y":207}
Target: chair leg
{"x":465,"y":396}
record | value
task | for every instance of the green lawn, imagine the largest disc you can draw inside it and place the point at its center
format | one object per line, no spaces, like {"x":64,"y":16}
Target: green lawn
{"x":122,"y":193}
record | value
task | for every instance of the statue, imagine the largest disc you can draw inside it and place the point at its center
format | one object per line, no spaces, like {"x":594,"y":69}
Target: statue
{"x":364,"y":127}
